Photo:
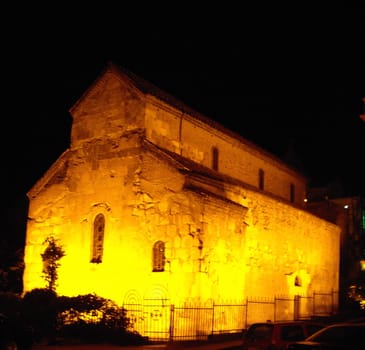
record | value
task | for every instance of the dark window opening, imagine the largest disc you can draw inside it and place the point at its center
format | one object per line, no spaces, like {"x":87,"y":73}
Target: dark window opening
{"x":158,"y":256}
{"x":261,"y":179}
{"x":298,"y":282}
{"x":292,"y":193}
{"x":215,"y":154}
{"x":98,"y":239}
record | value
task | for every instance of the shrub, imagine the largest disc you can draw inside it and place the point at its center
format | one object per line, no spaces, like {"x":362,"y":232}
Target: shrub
{"x":93,"y":319}
{"x":40,"y":311}
{"x":10,"y":304}
{"x":81,"y":319}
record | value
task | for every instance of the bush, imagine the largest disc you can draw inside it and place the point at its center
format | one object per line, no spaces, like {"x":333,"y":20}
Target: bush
{"x":81,"y":319}
{"x":40,"y":311}
{"x":96,"y":333}
{"x":10,"y":304}
{"x":12,"y":320}
{"x":93,"y":319}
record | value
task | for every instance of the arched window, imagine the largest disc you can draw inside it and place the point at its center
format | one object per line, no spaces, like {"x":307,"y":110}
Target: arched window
{"x":297,"y":281}
{"x":98,"y":239}
{"x":158,"y":256}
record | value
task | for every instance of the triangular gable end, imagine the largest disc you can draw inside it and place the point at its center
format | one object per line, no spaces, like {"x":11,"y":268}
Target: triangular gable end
{"x":112,"y":105}
{"x":54,"y":175}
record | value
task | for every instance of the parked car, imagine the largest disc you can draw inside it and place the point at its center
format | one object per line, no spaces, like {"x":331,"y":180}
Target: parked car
{"x":337,"y":336}
{"x":14,"y":335}
{"x":356,"y":320}
{"x":276,"y":335}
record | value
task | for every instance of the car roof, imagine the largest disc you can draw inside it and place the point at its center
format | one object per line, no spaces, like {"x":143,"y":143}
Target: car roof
{"x":347,"y":324}
{"x":288,"y":322}
{"x":355,"y":320}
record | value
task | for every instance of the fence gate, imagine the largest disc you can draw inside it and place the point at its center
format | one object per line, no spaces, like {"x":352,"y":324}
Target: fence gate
{"x":191,"y":322}
{"x":156,"y":316}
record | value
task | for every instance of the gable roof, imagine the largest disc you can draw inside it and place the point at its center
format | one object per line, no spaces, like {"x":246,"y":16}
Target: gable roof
{"x":148,"y":88}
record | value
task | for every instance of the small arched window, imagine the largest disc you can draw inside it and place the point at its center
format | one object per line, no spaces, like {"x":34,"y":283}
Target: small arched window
{"x":98,"y":239}
{"x":158,"y":256}
{"x":297,"y":282}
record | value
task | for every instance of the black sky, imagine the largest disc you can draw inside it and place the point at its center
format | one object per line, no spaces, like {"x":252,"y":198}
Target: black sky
{"x":274,"y":78}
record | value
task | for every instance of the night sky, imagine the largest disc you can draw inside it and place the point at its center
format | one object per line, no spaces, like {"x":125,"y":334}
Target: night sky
{"x":284,"y":82}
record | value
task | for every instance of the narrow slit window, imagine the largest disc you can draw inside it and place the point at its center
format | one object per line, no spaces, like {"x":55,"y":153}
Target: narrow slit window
{"x":261,"y":179}
{"x":215,"y":156}
{"x":98,"y":239}
{"x":158,"y":257}
{"x":292,"y":193}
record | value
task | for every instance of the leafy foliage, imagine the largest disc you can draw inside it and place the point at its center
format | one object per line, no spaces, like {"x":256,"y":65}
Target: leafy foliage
{"x":39,"y":309}
{"x":356,"y":294}
{"x":80,"y":319}
{"x":11,"y":267}
{"x":91,"y":318}
{"x":51,"y":256}
{"x":10,"y":304}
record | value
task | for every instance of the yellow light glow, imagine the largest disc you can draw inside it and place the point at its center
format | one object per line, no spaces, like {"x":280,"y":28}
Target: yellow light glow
{"x":224,"y":240}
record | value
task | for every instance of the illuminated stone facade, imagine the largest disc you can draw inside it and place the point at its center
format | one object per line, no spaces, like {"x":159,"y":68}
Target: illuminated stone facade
{"x":154,"y":201}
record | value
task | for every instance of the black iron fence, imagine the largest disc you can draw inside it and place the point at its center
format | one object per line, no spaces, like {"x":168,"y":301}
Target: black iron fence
{"x":160,"y":320}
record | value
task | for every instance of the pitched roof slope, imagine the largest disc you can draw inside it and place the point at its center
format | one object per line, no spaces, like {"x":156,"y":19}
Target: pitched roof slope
{"x":147,"y":88}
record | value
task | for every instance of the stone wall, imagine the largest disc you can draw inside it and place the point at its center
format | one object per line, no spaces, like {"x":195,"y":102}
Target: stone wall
{"x":225,"y":239}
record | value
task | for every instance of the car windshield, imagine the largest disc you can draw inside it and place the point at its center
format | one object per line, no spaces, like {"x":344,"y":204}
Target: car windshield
{"x":292,"y":333}
{"x":312,"y":328}
{"x":260,"y":331}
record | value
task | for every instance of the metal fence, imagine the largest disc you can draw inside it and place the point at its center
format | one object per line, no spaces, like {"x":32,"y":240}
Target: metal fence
{"x":159,"y":320}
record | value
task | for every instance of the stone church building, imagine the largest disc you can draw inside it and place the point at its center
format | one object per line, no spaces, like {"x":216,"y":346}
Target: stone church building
{"x":154,"y":201}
